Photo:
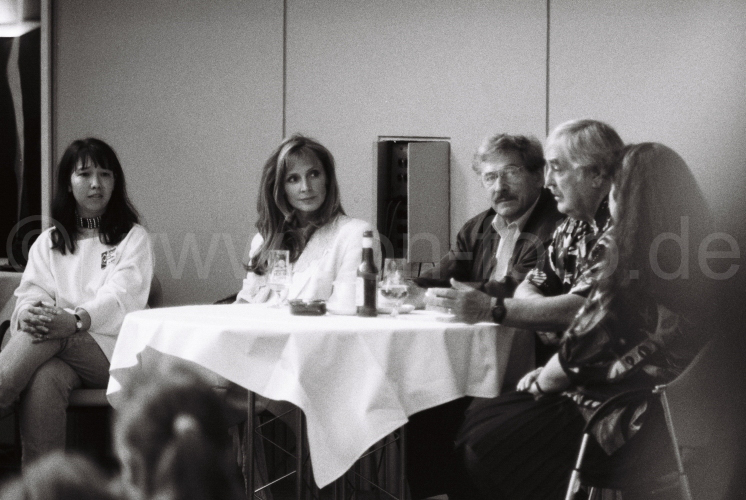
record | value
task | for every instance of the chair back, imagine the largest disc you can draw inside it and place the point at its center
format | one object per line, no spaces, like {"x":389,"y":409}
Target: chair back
{"x":694,"y":398}
{"x":155,"y":298}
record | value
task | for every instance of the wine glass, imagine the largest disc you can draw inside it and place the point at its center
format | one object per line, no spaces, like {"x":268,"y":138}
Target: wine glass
{"x":278,"y":273}
{"x":394,"y":284}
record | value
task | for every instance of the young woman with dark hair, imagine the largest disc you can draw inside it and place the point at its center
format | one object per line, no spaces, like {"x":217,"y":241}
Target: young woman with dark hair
{"x":300,"y":211}
{"x":83,"y":276}
{"x":120,"y":215}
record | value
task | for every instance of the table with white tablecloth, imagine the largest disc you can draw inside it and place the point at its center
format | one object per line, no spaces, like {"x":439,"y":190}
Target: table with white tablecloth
{"x":355,"y":379}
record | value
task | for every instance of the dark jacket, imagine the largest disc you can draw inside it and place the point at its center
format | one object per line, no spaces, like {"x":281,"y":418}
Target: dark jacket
{"x":472,"y":258}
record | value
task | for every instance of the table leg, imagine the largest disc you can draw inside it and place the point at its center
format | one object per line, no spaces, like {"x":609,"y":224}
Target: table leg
{"x":249,"y":451}
{"x":299,"y":436}
{"x":403,"y":463}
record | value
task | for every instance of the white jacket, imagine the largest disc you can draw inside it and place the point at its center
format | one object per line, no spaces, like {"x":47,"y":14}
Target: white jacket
{"x":332,"y":254}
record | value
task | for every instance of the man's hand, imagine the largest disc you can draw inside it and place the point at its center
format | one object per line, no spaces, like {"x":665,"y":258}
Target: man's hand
{"x":525,"y":383}
{"x":467,"y":304}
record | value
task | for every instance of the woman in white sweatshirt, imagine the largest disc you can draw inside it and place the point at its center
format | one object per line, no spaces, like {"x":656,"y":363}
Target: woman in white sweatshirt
{"x":83,"y":276}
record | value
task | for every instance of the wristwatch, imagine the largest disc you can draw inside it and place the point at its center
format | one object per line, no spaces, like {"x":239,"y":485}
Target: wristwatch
{"x":498,"y":309}
{"x":78,"y":323}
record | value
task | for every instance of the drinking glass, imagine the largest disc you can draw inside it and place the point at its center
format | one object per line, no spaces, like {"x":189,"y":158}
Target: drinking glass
{"x":394,"y":284}
{"x":278,"y":274}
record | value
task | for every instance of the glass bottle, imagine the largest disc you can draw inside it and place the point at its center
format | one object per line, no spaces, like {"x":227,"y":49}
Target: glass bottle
{"x":367,"y":276}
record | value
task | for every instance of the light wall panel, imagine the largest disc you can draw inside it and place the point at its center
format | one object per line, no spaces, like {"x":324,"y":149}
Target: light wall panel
{"x":357,"y":70}
{"x":657,"y":70}
{"x":189,"y":94}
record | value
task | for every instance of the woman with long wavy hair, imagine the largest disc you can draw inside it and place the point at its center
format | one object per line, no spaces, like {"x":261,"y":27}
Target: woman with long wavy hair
{"x":300,"y":211}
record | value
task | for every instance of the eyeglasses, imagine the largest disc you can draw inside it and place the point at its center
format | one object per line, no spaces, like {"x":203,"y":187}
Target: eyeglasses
{"x":508,"y":174}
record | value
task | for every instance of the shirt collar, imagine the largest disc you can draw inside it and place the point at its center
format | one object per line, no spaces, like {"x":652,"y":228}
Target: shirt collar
{"x":602,"y":219}
{"x":499,"y":224}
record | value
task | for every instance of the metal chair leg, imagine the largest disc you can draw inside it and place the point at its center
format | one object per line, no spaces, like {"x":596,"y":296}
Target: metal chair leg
{"x":299,"y":456}
{"x":686,"y":492}
{"x":249,"y":451}
{"x":574,"y":485}
{"x":403,"y":463}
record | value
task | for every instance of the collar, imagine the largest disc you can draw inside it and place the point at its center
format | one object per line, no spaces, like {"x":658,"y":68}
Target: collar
{"x":499,"y":224}
{"x":602,"y":219}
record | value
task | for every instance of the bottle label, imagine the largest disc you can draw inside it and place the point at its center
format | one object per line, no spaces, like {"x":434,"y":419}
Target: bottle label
{"x":366,"y":290}
{"x":359,"y":291}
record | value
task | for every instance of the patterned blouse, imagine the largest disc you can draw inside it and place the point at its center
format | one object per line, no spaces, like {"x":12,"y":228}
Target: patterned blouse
{"x":570,"y":259}
{"x":620,"y":341}
{"x":570,"y":254}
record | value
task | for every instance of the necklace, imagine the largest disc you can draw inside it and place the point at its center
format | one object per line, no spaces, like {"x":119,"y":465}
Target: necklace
{"x":87,"y":222}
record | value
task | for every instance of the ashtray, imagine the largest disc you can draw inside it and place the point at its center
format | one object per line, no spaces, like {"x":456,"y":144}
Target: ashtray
{"x":308,"y":308}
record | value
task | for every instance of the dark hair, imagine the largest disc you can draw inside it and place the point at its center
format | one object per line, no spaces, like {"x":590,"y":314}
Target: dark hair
{"x":529,"y":149}
{"x":655,"y":193}
{"x":60,"y":476}
{"x":175,"y":430}
{"x":120,"y":214}
{"x":278,"y":223}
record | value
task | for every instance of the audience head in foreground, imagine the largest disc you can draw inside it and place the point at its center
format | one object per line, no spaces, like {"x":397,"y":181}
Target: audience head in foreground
{"x":172,"y":441}
{"x":60,"y":476}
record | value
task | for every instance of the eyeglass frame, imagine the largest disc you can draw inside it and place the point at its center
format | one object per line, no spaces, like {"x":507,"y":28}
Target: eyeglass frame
{"x":507,"y":174}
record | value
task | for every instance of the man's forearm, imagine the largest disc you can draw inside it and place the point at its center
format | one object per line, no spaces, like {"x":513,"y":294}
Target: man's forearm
{"x":542,"y":313}
{"x":527,"y":290}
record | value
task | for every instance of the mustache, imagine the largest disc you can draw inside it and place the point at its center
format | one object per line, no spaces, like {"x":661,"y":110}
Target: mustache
{"x":500,"y":197}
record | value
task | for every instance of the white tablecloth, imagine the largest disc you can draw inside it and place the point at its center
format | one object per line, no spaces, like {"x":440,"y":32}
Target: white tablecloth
{"x":356,"y":379}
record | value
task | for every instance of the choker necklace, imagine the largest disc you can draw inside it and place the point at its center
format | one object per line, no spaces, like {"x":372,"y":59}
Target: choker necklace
{"x":87,"y":222}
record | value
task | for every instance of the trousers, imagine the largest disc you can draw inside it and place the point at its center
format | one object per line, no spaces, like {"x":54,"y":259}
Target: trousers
{"x":42,"y":376}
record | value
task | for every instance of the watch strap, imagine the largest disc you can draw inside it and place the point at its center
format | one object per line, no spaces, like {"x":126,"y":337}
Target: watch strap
{"x":498,"y":310}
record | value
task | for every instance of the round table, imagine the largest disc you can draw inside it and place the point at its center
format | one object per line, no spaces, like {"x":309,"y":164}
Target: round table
{"x":355,"y":379}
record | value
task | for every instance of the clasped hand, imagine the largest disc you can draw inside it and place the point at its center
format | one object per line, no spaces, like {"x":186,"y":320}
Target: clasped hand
{"x":467,"y":304}
{"x":527,"y":382}
{"x":46,"y":321}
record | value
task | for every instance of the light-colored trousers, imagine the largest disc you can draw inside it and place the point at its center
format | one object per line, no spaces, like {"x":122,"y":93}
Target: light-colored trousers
{"x":44,"y":375}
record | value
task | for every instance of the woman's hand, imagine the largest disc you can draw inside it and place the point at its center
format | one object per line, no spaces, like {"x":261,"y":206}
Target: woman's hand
{"x":467,"y":304}
{"x":60,"y":325}
{"x":528,"y":380}
{"x":33,"y":320}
